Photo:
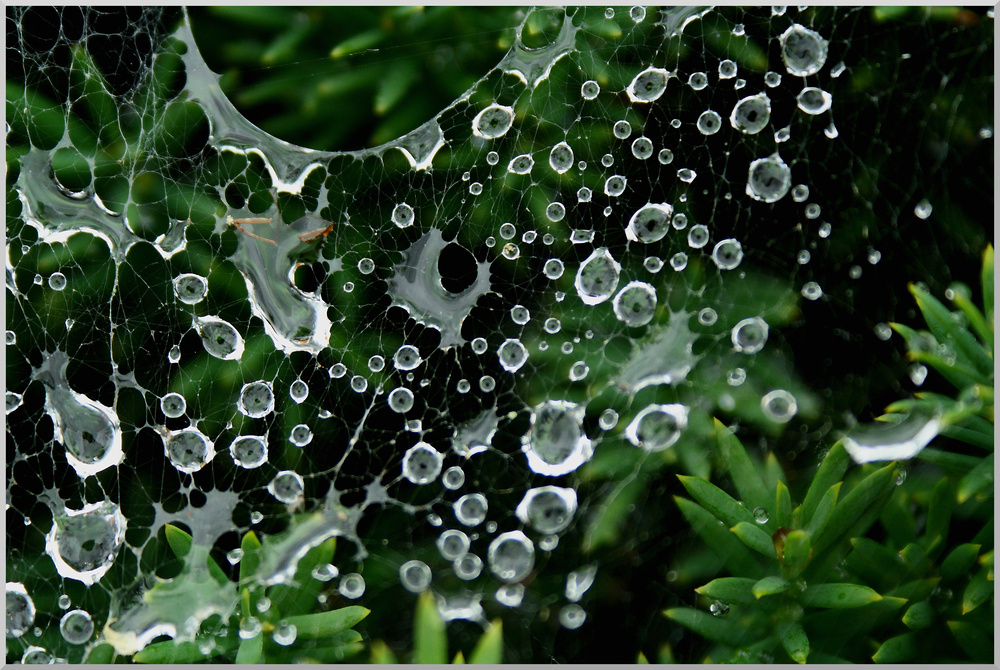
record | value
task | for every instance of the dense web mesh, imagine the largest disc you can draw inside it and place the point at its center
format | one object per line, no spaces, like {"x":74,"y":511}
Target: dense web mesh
{"x":476,"y":355}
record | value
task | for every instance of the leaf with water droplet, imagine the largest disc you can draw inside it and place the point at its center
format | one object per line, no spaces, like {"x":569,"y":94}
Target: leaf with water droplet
{"x":716,"y":501}
{"x":251,"y":651}
{"x":979,"y":590}
{"x":976,"y":319}
{"x":299,"y":597}
{"x":946,"y":329}
{"x":817,"y":522}
{"x":726,"y":546}
{"x":251,"y":557}
{"x":717,"y":629}
{"x":174,"y":652}
{"x":898,"y":649}
{"x":737,"y":590}
{"x":830,"y":471}
{"x":854,"y":506}
{"x":102,"y":653}
{"x":742,"y":470}
{"x":839,"y":596}
{"x":326,"y":624}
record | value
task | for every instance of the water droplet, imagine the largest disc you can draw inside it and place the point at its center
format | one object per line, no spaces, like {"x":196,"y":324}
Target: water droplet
{"x":36,"y":656}
{"x":287,"y":487}
{"x":698,"y":80}
{"x":709,"y":123}
{"x":256,"y":399}
{"x":83,"y":544}
{"x":57,"y":281}
{"x":590,"y":89}
{"x":666,"y":156}
{"x":401,"y":400}
{"x":779,"y":406}
{"x":174,"y":355}
{"x":657,"y":427}
{"x":422,"y":463}
{"x":20,"y":610}
{"x":402,"y":215}
{"x":325,"y":572}
{"x":751,"y":114}
{"x":510,"y":595}
{"x":923,"y":209}
{"x":468,"y":567}
{"x":298,"y":391}
{"x":189,"y":450}
{"x":698,"y":236}
{"x":521,"y":164}
{"x":453,"y":544}
{"x":769,"y":179}
{"x":750,"y":335}
{"x":622,"y":129}
{"x":548,"y":543}
{"x":800,"y":193}
{"x":256,"y":517}
{"x":285,"y":634}
{"x":547,"y":509}
{"x":479,"y":345}
{"x":492,"y":158}
{"x":512,"y":354}
{"x":650,"y":223}
{"x":219,"y":338}
{"x":653,"y":264}
{"x":173,"y":405}
{"x":493,"y":122}
{"x":64,"y":602}
{"x":597,"y":278}
{"x":76,"y":627}
{"x":579,"y":582}
{"x":578,"y":371}
{"x":14,"y":401}
{"x":707,"y":316}
{"x":883,"y":331}
{"x":250,"y":627}
{"x":899,"y":438}
{"x":648,"y":85}
{"x":719,"y":608}
{"x":812,"y":291}
{"x":727,"y":69}
{"x":415,"y":576}
{"x":572,"y":616}
{"x":301,"y":435}
{"x":614,"y":186}
{"x":190,"y":288}
{"x":511,"y":556}
{"x":727,"y":254}
{"x":802,"y":50}
{"x":635,"y":305}
{"x":359,"y":384}
{"x":561,"y":158}
{"x":814,"y":101}
{"x":760,"y":515}
{"x":249,"y":451}
{"x":555,"y":211}
{"x":555,"y":443}
{"x":772,"y":79}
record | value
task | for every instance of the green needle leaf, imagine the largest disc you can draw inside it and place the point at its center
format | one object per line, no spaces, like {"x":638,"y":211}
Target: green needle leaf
{"x":744,"y":473}
{"x":977,"y":480}
{"x":770,"y":586}
{"x":325,"y":624}
{"x":854,"y":506}
{"x":173,"y":652}
{"x":782,"y":505}
{"x":959,"y":561}
{"x":251,"y":651}
{"x":987,"y":280}
{"x":729,"y":589}
{"x":752,"y":535}
{"x":102,"y":653}
{"x":794,"y":640}
{"x":797,"y":550}
{"x":489,"y":648}
{"x":716,"y":629}
{"x":716,"y":501}
{"x":979,"y":590}
{"x":382,"y":655}
{"x":830,"y":471}
{"x":180,"y":543}
{"x":720,"y":540}
{"x":920,"y":615}
{"x":839,"y":596}
{"x":899,"y":649}
{"x":822,"y":512}
{"x":430,"y":639}
{"x":250,"y":560}
{"x":946,"y":329}
{"x":973,"y":640}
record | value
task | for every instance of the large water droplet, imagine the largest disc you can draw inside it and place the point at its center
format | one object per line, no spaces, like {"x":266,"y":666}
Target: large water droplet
{"x":493,"y":122}
{"x":190,"y":288}
{"x":220,"y":338}
{"x":287,"y":487}
{"x":648,"y":85}
{"x":814,"y":101}
{"x":415,"y":576}
{"x":83,"y":544}
{"x":422,"y":463}
{"x":749,"y":335}
{"x":597,"y":278}
{"x":249,"y":451}
{"x":547,"y":509}
{"x":779,"y":406}
{"x":76,"y":626}
{"x":650,"y":223}
{"x":256,"y":399}
{"x":512,"y":354}
{"x":470,"y":509}
{"x":657,"y":427}
{"x":579,"y":582}
{"x":20,"y":610}
{"x":898,"y":437}
{"x":769,"y":179}
{"x":173,"y":405}
{"x":511,"y":556}
{"x":751,"y":114}
{"x":453,"y":544}
{"x":635,"y":304}
{"x":802,"y":50}
{"x":189,"y":450}
{"x":561,"y":157}
{"x":555,"y":444}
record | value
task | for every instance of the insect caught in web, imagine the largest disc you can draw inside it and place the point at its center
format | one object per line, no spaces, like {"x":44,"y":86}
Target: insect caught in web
{"x":311,"y":235}
{"x":239,"y":223}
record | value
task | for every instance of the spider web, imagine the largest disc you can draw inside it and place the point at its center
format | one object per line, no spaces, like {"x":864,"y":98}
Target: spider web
{"x":504,"y":331}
